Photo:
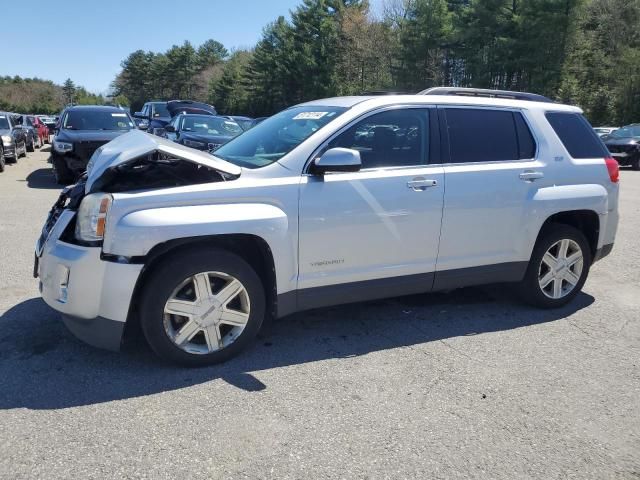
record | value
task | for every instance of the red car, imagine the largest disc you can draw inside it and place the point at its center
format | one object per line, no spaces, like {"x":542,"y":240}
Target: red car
{"x":41,"y":128}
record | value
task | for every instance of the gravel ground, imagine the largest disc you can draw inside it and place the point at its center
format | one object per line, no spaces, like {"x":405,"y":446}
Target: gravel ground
{"x":469,"y":384}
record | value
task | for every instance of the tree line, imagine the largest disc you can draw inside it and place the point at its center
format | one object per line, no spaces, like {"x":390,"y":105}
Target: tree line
{"x":583,"y":52}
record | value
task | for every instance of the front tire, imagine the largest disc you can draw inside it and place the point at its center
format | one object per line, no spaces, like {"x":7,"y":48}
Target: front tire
{"x":558,"y":268}
{"x":61,"y":172}
{"x":1,"y":159}
{"x":31,"y":147}
{"x":202,"y":307}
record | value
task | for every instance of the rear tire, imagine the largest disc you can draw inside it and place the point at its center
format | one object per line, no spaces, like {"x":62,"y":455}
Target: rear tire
{"x":635,"y":165}
{"x":1,"y":159}
{"x":565,"y":279}
{"x":31,"y":147}
{"x":61,"y":172}
{"x":176,"y":279}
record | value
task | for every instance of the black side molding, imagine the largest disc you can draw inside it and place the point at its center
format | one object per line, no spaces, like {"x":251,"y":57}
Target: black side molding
{"x":308,"y":298}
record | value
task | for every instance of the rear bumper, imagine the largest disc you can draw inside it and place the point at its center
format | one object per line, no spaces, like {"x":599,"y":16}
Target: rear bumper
{"x":603,"y":252}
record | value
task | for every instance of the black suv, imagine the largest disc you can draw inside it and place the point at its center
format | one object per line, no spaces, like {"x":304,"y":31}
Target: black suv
{"x":82,"y":130}
{"x":156,"y":115}
{"x":13,"y":139}
{"x":624,"y":145}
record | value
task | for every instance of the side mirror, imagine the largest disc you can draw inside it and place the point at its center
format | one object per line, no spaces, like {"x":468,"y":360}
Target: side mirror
{"x":169,"y":128}
{"x":337,"y":160}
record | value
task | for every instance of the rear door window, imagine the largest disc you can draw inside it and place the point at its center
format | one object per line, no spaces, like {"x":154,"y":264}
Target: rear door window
{"x":576,"y":135}
{"x":485,"y":135}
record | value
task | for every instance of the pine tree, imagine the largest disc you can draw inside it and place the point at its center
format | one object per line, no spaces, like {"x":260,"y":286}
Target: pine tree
{"x":69,"y":89}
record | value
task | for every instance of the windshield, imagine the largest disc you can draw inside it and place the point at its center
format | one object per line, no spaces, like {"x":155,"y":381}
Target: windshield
{"x":96,"y":120}
{"x":4,"y":123}
{"x":160,"y":110}
{"x":626,"y":132}
{"x":209,"y":125}
{"x":244,"y":123}
{"x":272,"y":139}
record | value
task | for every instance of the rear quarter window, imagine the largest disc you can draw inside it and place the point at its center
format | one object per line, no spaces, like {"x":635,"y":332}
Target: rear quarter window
{"x":485,"y":135}
{"x":576,"y":135}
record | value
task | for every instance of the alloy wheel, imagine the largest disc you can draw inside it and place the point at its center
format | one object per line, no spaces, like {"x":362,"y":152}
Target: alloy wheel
{"x":206,"y":312}
{"x":560,"y":269}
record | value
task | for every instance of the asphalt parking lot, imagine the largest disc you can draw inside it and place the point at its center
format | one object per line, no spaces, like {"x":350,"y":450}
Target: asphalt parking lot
{"x":468,"y":384}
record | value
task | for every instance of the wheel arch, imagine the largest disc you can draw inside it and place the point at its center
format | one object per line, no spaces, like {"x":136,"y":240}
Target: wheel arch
{"x":252,"y":248}
{"x":587,"y":221}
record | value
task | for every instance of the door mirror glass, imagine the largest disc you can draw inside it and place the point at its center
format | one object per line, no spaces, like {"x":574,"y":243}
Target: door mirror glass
{"x":337,"y":160}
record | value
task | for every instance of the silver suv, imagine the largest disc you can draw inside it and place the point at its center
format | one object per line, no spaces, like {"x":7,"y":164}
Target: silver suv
{"x":332,"y":201}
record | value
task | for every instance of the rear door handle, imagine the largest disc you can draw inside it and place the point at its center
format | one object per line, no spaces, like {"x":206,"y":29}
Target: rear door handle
{"x":530,"y":175}
{"x":421,"y":184}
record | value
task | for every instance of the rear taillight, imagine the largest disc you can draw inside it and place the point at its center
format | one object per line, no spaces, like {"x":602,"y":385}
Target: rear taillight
{"x":613,"y":168}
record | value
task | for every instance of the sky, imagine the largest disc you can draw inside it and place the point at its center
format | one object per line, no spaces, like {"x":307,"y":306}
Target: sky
{"x":86,"y":40}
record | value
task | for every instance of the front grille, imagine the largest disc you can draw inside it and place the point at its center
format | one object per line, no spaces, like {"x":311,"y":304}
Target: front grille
{"x":214,"y":146}
{"x":84,"y":150}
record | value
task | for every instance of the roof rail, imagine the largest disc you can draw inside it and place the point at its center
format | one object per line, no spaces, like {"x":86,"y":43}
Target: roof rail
{"x":483,"y":92}
{"x":375,"y":93}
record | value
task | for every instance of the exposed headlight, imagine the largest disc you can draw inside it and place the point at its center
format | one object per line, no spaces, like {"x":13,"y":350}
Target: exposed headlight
{"x":194,"y":144}
{"x":6,"y":139}
{"x":92,"y":217}
{"x":62,"y":147}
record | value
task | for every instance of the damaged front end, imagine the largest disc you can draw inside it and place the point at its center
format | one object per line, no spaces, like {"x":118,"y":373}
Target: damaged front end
{"x":140,"y":161}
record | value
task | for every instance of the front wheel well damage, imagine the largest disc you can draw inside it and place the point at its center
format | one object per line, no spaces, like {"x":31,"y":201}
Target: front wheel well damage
{"x":253,"y":249}
{"x":587,"y":221}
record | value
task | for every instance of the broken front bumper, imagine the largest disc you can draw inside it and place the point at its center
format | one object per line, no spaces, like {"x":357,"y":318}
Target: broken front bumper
{"x":93,"y":295}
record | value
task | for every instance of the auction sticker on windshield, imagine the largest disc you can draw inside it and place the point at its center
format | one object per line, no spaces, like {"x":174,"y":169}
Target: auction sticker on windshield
{"x":118,"y":114}
{"x":310,"y":115}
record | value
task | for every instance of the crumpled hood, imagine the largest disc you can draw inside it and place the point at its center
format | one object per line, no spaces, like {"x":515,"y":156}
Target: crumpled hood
{"x":135,"y":144}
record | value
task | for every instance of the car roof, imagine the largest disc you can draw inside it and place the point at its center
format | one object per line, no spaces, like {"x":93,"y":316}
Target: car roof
{"x":385,"y":100}
{"x":104,"y":108}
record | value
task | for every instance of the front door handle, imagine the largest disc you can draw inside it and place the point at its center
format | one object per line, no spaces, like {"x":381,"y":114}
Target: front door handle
{"x":421,"y":184}
{"x":531,"y":175}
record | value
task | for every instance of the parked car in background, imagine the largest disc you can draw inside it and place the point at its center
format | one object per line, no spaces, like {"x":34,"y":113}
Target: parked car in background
{"x":155,"y":116}
{"x":624,"y":145}
{"x":13,"y":138}
{"x":50,"y":123}
{"x":246,"y":123}
{"x":32,"y":134}
{"x":602,"y":131}
{"x":202,"y":132}
{"x":84,"y":129}
{"x":42,"y":129}
{"x":300,"y":212}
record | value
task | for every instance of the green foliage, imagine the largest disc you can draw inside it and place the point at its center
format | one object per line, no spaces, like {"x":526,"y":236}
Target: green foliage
{"x":181,"y":72}
{"x":584,"y":52}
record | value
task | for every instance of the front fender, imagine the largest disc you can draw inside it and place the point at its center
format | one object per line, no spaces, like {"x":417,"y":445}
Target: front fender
{"x":136,"y":233}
